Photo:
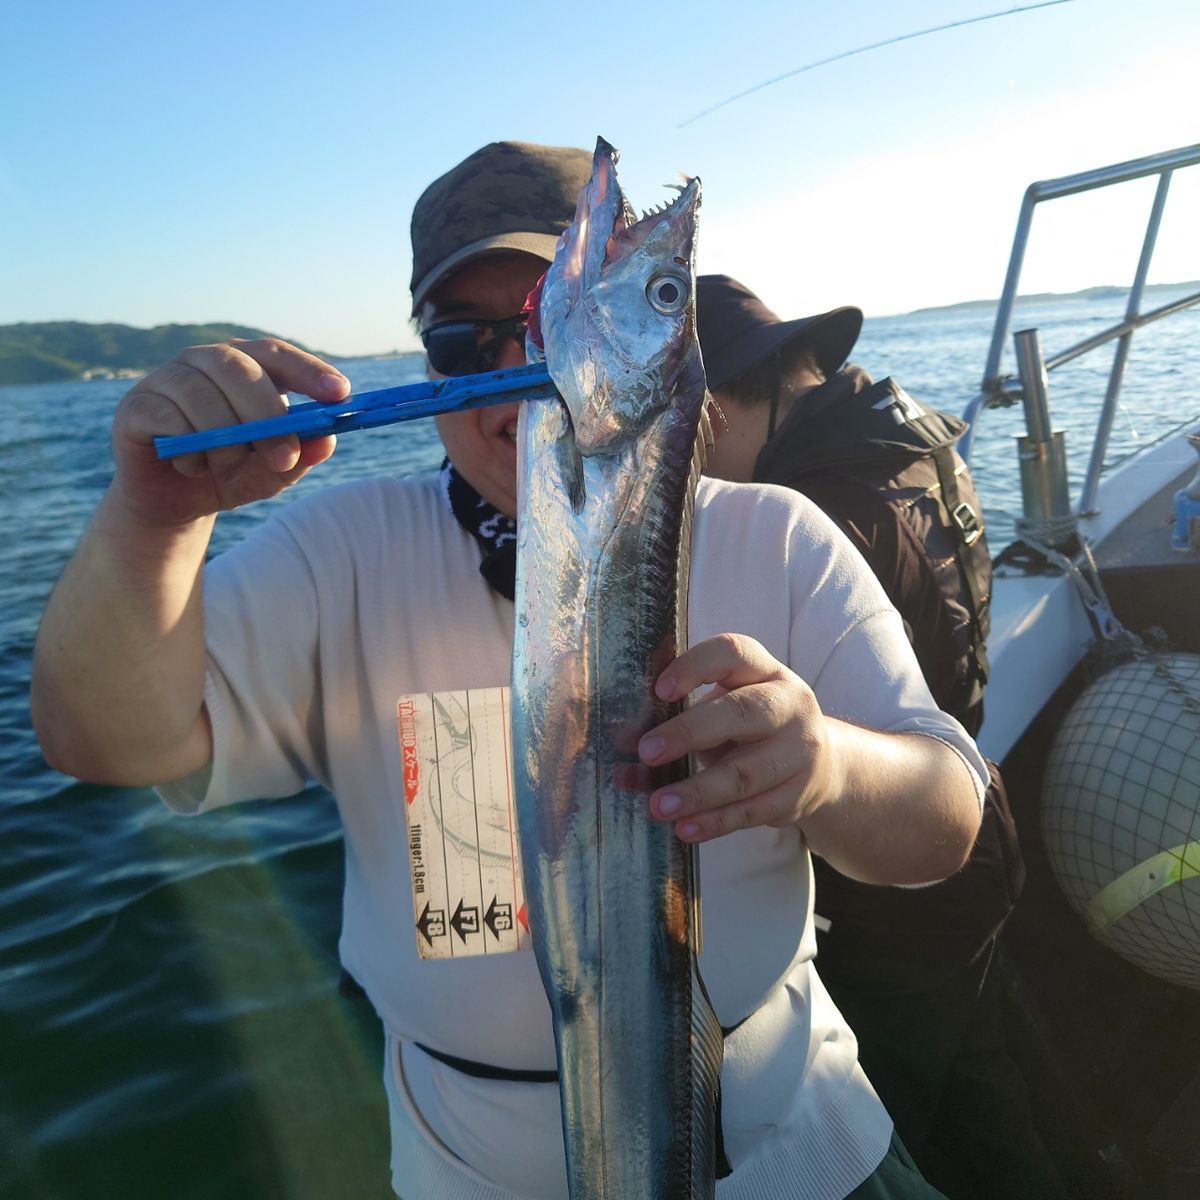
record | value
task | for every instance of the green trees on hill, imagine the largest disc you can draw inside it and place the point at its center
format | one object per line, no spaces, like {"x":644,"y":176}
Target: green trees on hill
{"x":50,"y":350}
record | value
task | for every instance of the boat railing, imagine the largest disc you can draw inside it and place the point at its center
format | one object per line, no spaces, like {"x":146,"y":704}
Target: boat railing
{"x":998,"y":391}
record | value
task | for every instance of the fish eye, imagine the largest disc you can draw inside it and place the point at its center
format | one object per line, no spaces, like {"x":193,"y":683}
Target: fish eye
{"x":668,"y":294}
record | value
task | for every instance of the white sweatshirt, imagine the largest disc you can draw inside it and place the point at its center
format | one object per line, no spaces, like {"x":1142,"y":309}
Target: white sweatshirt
{"x":354,"y":596}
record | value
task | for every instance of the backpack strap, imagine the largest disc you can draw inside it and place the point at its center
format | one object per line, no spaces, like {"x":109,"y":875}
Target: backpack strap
{"x":967,"y":527}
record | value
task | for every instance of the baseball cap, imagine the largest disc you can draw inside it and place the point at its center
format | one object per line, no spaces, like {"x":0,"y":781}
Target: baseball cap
{"x":505,"y":196}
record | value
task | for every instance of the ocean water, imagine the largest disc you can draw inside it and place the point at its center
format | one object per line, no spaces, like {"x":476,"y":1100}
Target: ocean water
{"x":170,"y":1021}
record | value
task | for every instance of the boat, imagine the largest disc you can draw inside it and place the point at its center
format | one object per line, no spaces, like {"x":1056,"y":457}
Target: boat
{"x":1093,"y":711}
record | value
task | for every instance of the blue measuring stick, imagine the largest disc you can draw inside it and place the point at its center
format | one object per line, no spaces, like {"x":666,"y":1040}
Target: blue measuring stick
{"x":368,"y":409}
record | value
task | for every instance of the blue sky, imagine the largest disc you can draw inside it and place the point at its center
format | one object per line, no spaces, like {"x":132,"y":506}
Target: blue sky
{"x":258,"y":162}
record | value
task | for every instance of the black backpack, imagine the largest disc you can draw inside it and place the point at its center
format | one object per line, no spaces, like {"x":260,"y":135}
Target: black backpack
{"x":882,"y":466}
{"x":855,"y":446}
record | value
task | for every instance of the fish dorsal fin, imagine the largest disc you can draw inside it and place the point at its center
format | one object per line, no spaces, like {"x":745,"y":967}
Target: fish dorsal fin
{"x":700,"y":449}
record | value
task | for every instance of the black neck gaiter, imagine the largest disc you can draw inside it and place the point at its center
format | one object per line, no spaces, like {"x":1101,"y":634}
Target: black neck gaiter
{"x":495,"y":533}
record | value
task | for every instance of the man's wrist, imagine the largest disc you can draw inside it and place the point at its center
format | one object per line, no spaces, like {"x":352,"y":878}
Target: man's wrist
{"x":138,"y":539}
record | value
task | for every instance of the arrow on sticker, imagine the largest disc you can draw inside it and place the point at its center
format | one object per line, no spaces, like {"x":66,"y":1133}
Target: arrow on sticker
{"x":432,"y":923}
{"x":465,"y":921}
{"x":498,"y":918}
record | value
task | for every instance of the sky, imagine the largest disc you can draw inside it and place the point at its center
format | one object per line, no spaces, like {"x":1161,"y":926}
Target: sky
{"x":258,"y":162}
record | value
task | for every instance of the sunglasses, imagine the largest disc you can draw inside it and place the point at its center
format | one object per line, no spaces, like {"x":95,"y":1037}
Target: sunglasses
{"x":468,"y":347}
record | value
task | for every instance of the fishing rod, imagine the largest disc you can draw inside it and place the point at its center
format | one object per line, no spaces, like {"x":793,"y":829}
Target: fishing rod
{"x":904,"y":37}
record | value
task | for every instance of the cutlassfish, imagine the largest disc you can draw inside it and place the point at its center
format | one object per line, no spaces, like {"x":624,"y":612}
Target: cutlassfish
{"x":606,"y":484}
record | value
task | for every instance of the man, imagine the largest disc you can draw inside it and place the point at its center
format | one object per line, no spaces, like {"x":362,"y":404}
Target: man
{"x":908,"y":969}
{"x":282,"y":660}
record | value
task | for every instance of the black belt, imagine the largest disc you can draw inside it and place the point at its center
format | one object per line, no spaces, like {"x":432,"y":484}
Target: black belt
{"x":479,"y":1070}
{"x":350,"y":986}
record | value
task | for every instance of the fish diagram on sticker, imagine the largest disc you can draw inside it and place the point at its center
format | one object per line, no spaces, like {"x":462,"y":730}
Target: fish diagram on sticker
{"x":463,"y":862}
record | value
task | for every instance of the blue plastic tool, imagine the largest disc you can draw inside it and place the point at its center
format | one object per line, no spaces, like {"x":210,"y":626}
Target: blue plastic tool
{"x":369,"y":409}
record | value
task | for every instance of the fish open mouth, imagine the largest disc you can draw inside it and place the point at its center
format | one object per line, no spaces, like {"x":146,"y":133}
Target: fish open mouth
{"x":604,"y":230}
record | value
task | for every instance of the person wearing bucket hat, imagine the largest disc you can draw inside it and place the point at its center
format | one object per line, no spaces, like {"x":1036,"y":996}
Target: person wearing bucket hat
{"x":246,"y":674}
{"x":744,"y":344}
{"x":909,"y":969}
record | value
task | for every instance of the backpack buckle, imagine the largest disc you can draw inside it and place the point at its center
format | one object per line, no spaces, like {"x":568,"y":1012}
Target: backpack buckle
{"x":968,"y":522}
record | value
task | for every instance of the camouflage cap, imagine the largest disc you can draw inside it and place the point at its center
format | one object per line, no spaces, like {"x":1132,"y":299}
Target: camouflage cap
{"x":506,"y":196}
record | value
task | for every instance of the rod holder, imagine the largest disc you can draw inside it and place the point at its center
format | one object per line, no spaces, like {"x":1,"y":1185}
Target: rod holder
{"x":1041,"y":452}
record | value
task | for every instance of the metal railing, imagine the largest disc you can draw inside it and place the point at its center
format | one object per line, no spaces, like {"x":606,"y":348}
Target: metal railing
{"x":1000,"y":391}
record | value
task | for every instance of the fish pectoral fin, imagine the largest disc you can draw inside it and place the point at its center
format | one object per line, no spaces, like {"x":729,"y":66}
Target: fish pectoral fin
{"x":570,"y":465}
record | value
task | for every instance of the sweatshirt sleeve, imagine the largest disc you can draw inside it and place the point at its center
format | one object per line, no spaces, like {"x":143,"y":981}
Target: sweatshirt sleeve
{"x":768,"y":563}
{"x":849,"y":644}
{"x":263,"y":684}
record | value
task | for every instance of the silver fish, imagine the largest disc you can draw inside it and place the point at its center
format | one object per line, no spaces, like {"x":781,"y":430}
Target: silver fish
{"x":606,"y":482}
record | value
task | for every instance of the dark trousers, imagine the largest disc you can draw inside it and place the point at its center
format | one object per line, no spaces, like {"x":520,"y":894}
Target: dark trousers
{"x":909,"y":969}
{"x":941,"y":1067}
{"x":896,"y":1178}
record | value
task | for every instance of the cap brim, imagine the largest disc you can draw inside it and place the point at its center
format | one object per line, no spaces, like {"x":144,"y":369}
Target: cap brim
{"x":830,"y":336}
{"x":541,"y":245}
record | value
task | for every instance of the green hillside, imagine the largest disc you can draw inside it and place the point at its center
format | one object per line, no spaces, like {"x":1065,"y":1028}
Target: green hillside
{"x":51,"y":350}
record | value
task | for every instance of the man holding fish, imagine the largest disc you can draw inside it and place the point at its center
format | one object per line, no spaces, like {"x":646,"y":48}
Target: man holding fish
{"x":814,"y":729}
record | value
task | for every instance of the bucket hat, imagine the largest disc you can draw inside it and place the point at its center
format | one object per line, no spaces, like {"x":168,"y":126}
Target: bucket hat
{"x":737,"y":330}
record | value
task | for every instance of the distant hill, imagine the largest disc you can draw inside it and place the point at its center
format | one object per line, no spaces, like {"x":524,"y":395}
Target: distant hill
{"x":1103,"y":292}
{"x":45,"y":351}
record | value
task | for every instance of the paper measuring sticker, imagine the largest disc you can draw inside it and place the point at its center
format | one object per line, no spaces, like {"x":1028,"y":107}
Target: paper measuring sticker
{"x":462,"y":829}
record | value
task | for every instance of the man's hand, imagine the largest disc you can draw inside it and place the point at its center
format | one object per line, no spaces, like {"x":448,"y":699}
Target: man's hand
{"x":883,"y":808}
{"x":205,"y":387}
{"x":759,"y":735}
{"x":119,"y":666}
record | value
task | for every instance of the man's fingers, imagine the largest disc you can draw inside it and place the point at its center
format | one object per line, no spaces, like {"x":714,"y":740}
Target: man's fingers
{"x":312,"y":453}
{"x":178,"y":399}
{"x":208,"y":387}
{"x":245,"y":382}
{"x":731,"y":660}
{"x":741,"y":775}
{"x":254,"y":374}
{"x":775,"y":808}
{"x":744,"y":715}
{"x":145,"y":414}
{"x":315,"y":451}
{"x":759,"y":730}
{"x":281,"y":453}
{"x":293,"y":369}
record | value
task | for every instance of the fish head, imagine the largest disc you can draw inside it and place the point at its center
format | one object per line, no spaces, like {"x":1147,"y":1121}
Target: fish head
{"x":616,"y":313}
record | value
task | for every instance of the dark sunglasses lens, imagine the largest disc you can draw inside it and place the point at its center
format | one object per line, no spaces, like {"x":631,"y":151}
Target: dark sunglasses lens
{"x":468,"y":347}
{"x":453,"y":349}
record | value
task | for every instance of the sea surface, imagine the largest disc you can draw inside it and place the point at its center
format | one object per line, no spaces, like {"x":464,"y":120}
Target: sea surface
{"x":170,"y":1019}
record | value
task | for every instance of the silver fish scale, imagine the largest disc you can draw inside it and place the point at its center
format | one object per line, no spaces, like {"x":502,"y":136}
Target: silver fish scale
{"x":601,"y":576}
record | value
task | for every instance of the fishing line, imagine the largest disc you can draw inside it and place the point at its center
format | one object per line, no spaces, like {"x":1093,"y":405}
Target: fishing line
{"x":904,"y":37}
